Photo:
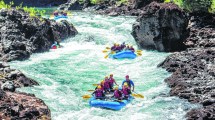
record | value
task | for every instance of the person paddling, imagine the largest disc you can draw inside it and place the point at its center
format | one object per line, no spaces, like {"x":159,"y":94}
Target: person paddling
{"x":106,"y":85}
{"x":99,"y":94}
{"x":126,"y":91}
{"x":131,"y":48}
{"x":117,"y":94}
{"x":112,"y":81}
{"x":129,"y":82}
{"x":56,"y":13}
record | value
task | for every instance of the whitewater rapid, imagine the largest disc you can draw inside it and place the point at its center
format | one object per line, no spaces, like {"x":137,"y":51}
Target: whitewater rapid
{"x":67,"y":73}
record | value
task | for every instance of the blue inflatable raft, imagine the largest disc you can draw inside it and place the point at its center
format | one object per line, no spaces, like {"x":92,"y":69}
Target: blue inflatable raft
{"x":60,"y":18}
{"x":123,"y":54}
{"x":114,"y":105}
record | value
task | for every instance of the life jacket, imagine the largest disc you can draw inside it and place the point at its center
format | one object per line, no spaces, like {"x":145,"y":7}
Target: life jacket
{"x":54,"y":47}
{"x":132,"y":49}
{"x":117,"y":94}
{"x":99,"y":93}
{"x":126,"y":91}
{"x":122,"y":46}
{"x":113,"y":48}
{"x":106,"y":85}
{"x":111,"y":81}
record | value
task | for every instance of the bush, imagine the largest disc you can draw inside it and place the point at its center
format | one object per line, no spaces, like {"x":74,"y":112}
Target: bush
{"x":31,"y":10}
{"x":96,"y":1}
{"x":195,"y":5}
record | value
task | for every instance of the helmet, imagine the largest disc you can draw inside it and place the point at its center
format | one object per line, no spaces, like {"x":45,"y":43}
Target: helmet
{"x":125,"y":84}
{"x":106,"y":77}
{"x":116,"y":88}
{"x":102,"y":82}
{"x":115,"y":44}
{"x":127,"y":76}
{"x":99,"y":87}
{"x":111,"y":74}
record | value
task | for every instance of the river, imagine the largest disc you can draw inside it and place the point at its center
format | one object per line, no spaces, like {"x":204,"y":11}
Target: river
{"x":67,"y":73}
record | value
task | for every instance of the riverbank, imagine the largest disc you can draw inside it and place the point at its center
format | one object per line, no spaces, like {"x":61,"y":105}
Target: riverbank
{"x":167,"y":28}
{"x":21,"y":36}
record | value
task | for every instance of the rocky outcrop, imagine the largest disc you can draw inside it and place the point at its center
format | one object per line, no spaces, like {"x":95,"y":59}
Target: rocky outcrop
{"x":162,"y":27}
{"x":17,"y":106}
{"x":108,"y":7}
{"x":75,"y":5}
{"x":22,"y":35}
{"x":137,"y":4}
{"x":37,"y":3}
{"x":193,"y":70}
{"x":12,"y":78}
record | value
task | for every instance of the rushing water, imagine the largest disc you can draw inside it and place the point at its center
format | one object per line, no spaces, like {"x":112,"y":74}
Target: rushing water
{"x":66,"y":74}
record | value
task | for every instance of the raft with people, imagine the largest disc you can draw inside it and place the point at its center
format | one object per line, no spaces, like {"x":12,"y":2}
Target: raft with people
{"x":107,"y":96}
{"x":59,"y":15}
{"x":121,"y":51}
{"x":56,"y":45}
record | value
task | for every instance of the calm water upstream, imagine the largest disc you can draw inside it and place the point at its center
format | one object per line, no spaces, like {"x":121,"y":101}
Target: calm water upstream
{"x":66,"y":74}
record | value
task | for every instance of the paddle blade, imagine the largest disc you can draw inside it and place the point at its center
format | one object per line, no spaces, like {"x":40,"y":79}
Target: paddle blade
{"x":112,"y":52}
{"x":106,"y":57}
{"x":137,"y":95}
{"x":90,"y":90}
{"x":95,"y":84}
{"x":104,"y":51}
{"x":139,"y":54}
{"x":86,"y":96}
{"x":108,"y":48}
{"x":69,"y":14}
{"x":139,"y":50}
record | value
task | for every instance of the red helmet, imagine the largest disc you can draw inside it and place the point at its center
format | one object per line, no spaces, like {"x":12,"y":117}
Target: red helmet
{"x":126,"y":76}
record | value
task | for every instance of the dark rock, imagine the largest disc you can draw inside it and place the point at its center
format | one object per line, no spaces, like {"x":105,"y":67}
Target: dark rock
{"x":8,"y":85}
{"x":161,"y":27}
{"x":137,"y":4}
{"x":208,"y":102}
{"x":2,"y":94}
{"x":193,"y":69}
{"x":26,"y":81}
{"x":71,"y":5}
{"x":21,"y":36}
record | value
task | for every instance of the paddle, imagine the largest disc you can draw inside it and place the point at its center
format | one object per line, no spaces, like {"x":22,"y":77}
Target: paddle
{"x":137,"y":95}
{"x":139,"y":52}
{"x":112,"y":52}
{"x":90,"y":90}
{"x":104,"y":51}
{"x":95,"y":84}
{"x":86,"y":97}
{"x":108,"y":48}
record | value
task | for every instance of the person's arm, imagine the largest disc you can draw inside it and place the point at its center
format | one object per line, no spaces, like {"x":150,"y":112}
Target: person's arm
{"x":93,"y":93}
{"x":132,"y":83}
{"x":123,"y":83}
{"x":115,"y":83}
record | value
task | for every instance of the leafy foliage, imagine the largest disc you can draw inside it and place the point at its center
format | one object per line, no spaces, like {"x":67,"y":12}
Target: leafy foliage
{"x":122,"y":2}
{"x":195,"y":5}
{"x":31,"y":10}
{"x":7,"y":6}
{"x":96,"y":1}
